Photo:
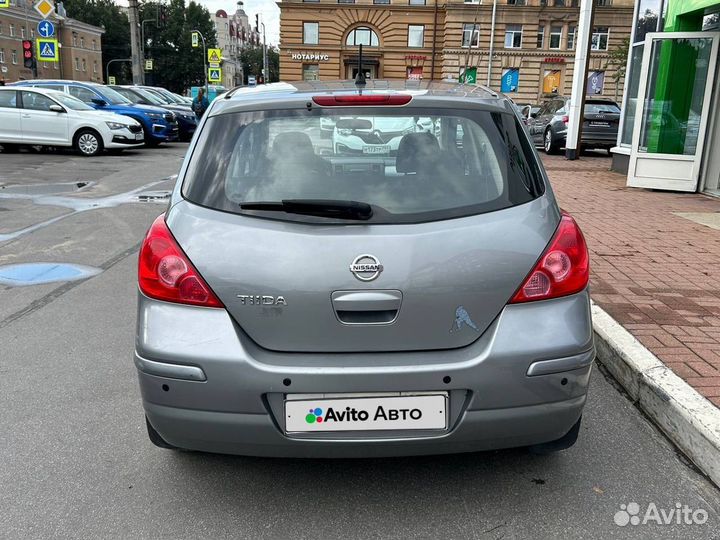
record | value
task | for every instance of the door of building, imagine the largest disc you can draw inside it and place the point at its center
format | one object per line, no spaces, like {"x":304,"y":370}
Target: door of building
{"x":370,"y":72}
{"x":674,"y":102}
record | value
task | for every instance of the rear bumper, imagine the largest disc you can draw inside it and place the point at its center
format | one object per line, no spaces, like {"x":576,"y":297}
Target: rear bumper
{"x":206,"y":386}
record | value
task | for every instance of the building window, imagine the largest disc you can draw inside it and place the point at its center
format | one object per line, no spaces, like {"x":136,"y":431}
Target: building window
{"x":470,"y":36}
{"x":381,"y":1}
{"x":551,"y":81}
{"x":604,"y":3}
{"x":84,"y":65}
{"x":472,"y":1}
{"x":94,"y":44}
{"x":510,"y":80}
{"x":362,"y":35}
{"x":416,"y":35}
{"x":14,"y":56}
{"x":513,"y":36}
{"x":311,"y":0}
{"x":416,"y":2}
{"x":74,"y":40}
{"x":95,"y":66}
{"x":32,"y":33}
{"x":516,"y":2}
{"x":2,"y":56}
{"x":555,"y":37}
{"x":12,"y":30}
{"x":82,"y":42}
{"x":77,"y":64}
{"x":571,"y":38}
{"x":600,"y":38}
{"x":541,"y":37}
{"x":346,"y":1}
{"x":311,"y":72}
{"x":0,"y":28}
{"x":22,"y":32}
{"x":311,"y":30}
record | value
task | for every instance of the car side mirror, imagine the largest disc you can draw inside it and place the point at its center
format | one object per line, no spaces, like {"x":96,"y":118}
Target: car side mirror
{"x":56,"y":108}
{"x":99,"y":102}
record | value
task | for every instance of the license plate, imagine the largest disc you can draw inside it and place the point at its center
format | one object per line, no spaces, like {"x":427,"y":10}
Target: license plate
{"x":367,"y":413}
{"x":138,"y":136}
{"x":603,"y":124}
{"x":377,"y":149}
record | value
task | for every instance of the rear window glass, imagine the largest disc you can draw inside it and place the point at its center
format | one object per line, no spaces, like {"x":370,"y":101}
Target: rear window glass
{"x":601,"y":108}
{"x":410,"y":165}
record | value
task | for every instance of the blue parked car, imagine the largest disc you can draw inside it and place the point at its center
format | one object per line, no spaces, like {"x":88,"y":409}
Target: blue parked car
{"x":159,"y":125}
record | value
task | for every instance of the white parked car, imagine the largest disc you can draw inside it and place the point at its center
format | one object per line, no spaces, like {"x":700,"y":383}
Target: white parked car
{"x":37,"y":116}
{"x":375,"y":135}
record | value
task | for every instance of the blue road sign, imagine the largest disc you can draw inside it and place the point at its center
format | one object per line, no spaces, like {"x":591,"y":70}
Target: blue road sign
{"x":46,"y":29}
{"x":47,"y":50}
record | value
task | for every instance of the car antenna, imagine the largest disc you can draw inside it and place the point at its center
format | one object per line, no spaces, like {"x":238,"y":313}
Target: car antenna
{"x":360,"y":77}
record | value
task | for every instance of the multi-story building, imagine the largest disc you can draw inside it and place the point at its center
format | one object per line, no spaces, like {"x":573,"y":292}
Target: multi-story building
{"x":80,"y":46}
{"x":233,"y":34}
{"x":532,"y":42}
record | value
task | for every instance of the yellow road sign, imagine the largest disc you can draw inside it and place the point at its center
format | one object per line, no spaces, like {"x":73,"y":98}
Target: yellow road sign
{"x":44,"y":8}
{"x":215,"y":75}
{"x":4,"y":3}
{"x":214,"y":55}
{"x":111,"y":80}
{"x":47,"y":50}
{"x":195,"y":38}
{"x":148,"y":65}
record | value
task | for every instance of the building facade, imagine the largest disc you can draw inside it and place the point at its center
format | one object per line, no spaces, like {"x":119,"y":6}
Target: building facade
{"x":532,"y":42}
{"x":80,"y":46}
{"x":670,"y":125}
{"x":234,"y":33}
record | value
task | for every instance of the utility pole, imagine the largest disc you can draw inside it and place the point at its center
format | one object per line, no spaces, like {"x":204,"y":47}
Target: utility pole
{"x":492,"y":44}
{"x":266,"y":71}
{"x":136,"y":51}
{"x":579,"y":85}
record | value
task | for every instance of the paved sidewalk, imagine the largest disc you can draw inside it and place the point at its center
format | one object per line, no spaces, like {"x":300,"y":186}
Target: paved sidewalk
{"x":656,"y":272}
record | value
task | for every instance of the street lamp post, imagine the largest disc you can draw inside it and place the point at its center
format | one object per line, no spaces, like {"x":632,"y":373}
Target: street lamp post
{"x":204,"y":58}
{"x":266,"y":71}
{"x":107,"y":67}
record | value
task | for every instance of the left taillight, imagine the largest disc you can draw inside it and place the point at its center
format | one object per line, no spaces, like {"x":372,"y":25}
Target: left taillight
{"x":563,"y":269}
{"x":166,"y":273}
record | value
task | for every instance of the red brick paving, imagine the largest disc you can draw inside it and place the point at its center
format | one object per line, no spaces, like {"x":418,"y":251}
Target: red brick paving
{"x":656,"y":273}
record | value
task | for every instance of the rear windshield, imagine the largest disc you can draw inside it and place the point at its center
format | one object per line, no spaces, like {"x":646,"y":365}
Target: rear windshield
{"x":601,"y":108}
{"x":410,"y":165}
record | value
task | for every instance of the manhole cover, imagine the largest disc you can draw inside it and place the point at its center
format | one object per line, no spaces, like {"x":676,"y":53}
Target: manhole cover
{"x":18,"y":275}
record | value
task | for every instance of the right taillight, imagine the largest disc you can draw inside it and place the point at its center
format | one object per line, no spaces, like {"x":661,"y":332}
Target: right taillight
{"x":166,"y":273}
{"x":563,"y":269}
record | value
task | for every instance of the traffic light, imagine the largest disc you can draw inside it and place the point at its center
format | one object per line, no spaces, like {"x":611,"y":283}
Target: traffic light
{"x":162,"y":16}
{"x":28,"y":54}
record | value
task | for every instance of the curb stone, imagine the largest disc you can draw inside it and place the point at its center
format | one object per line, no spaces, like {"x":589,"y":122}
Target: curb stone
{"x":690,"y":420}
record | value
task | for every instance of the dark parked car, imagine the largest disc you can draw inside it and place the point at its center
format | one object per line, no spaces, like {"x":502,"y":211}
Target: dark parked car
{"x":186,"y":120}
{"x":548,"y":127}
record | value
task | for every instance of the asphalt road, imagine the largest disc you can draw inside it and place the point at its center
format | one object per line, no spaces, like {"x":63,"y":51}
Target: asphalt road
{"x":75,"y":461}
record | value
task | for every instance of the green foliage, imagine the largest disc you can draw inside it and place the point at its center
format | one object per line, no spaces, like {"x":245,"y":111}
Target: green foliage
{"x":177,"y":64}
{"x":115,"y":40}
{"x":252,"y":62}
{"x":618,"y":59}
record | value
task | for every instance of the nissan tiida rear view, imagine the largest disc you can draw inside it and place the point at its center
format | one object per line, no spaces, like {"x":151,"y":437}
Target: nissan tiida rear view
{"x":306,"y":298}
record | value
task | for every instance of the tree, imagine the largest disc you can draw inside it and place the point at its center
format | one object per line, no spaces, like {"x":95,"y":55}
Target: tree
{"x":177,"y":65}
{"x":618,"y":60}
{"x":252,"y":62}
{"x":115,"y":42}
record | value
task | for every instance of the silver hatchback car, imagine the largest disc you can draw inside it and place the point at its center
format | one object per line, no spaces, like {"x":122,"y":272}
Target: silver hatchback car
{"x":305,"y":299}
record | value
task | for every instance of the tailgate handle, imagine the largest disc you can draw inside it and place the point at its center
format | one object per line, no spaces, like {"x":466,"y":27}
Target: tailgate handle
{"x":366,"y":307}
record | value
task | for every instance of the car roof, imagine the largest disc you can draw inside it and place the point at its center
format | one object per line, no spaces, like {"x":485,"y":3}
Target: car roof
{"x":60,"y":81}
{"x":276,"y":95}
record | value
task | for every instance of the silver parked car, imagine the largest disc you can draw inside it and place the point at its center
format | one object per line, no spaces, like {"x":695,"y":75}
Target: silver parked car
{"x":295,"y":301}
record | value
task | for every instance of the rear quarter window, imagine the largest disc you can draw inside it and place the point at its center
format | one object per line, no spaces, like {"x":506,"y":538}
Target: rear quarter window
{"x":411,"y":165}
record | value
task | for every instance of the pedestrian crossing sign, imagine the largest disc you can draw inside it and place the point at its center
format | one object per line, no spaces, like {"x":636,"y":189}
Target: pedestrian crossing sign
{"x":4,"y":3}
{"x":215,"y":75}
{"x":47,"y":50}
{"x":214,"y":55}
{"x":195,"y":39}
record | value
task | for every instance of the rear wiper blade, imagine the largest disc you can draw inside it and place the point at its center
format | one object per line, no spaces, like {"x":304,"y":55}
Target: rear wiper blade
{"x":314,"y":207}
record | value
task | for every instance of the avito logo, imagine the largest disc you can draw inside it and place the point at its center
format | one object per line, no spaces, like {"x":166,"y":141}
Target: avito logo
{"x":354,"y":415}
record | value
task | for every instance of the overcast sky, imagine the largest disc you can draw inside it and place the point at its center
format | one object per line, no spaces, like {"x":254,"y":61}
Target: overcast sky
{"x":268,"y":10}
